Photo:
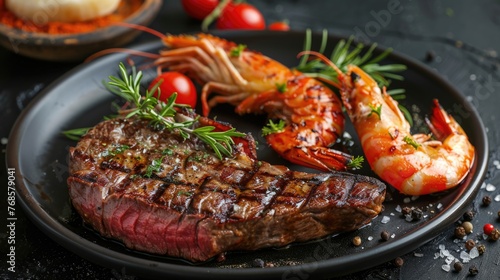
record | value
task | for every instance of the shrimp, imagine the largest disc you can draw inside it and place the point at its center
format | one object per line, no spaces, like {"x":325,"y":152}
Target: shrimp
{"x":253,"y":83}
{"x":413,"y":164}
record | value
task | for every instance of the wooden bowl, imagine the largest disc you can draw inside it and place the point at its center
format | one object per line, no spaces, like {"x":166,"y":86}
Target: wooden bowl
{"x":78,"y":46}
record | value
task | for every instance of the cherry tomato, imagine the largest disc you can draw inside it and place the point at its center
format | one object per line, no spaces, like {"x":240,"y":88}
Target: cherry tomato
{"x":488,"y":228}
{"x":240,"y":16}
{"x":279,"y":26}
{"x":176,"y":82}
{"x":199,"y":9}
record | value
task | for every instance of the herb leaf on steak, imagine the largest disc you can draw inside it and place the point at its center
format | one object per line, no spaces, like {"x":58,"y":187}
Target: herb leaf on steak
{"x":128,"y":86}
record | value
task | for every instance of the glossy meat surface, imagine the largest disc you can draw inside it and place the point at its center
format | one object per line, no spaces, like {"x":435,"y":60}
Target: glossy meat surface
{"x":161,"y":194}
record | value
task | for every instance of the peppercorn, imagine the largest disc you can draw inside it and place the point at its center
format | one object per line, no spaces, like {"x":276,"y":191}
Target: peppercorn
{"x":356,"y":241}
{"x":486,"y":200}
{"x":488,"y":228}
{"x":417,"y":214}
{"x":468,"y":216}
{"x":258,"y":263}
{"x":398,"y":262}
{"x":430,"y":55}
{"x":481,"y":249}
{"x":458,"y":266}
{"x":460,"y":232}
{"x":473,"y":270}
{"x":498,"y":214}
{"x":469,"y":244}
{"x":468,"y":227}
{"x":385,"y":235}
{"x":406,"y":210}
{"x":495,"y":234}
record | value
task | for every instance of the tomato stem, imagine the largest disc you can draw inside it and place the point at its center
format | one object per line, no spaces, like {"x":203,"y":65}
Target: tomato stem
{"x":214,"y":15}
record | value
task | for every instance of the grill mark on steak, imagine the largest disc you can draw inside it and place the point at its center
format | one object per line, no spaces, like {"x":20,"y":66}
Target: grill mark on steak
{"x":196,"y":206}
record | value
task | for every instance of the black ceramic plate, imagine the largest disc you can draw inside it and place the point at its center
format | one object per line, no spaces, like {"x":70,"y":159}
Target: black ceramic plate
{"x":38,"y":151}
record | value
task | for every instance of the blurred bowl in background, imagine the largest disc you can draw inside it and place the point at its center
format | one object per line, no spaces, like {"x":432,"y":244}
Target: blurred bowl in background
{"x":77,"y":46}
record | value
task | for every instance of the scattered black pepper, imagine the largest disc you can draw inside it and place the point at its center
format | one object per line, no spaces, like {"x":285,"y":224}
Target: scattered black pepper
{"x":481,"y":249}
{"x":417,"y":214}
{"x":486,"y":200}
{"x":468,"y":216}
{"x":458,"y":266}
{"x":495,"y":234}
{"x":473,"y":270}
{"x":406,"y":210}
{"x":460,"y":232}
{"x":430,"y":55}
{"x":385,"y":235}
{"x":258,"y":263}
{"x":469,"y":244}
{"x":398,"y":262}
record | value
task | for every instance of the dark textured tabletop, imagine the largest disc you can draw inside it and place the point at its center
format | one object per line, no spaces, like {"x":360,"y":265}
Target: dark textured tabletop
{"x":460,"y":40}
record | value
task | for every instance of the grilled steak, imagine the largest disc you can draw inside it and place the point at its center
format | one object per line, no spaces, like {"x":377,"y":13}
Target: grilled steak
{"x":161,"y":194}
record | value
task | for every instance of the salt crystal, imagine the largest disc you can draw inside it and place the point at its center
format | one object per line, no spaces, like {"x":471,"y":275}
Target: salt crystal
{"x":496,"y":162}
{"x":385,"y":219}
{"x":441,"y":247}
{"x":370,"y":238}
{"x":415,"y":197}
{"x":418,"y":255}
{"x":392,"y":214}
{"x":446,"y":253}
{"x":393,"y":235}
{"x":398,"y":208}
{"x":446,"y":267}
{"x":4,"y":141}
{"x":485,"y":236}
{"x":474,"y":253}
{"x":497,"y":197}
{"x":408,"y":218}
{"x":465,"y":257}
{"x":490,"y":187}
{"x":406,"y":200}
{"x":439,"y":206}
{"x":436,"y":255}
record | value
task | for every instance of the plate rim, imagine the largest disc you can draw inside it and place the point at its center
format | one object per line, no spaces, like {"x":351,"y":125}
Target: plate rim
{"x":110,"y":258}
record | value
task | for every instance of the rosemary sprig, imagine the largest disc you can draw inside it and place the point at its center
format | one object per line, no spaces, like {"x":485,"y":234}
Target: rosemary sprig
{"x":164,"y":114}
{"x":75,"y":134}
{"x":344,"y":54}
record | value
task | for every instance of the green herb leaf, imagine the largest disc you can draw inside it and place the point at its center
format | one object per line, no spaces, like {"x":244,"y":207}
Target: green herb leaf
{"x":163,"y":114}
{"x":356,"y":163}
{"x":281,"y":87}
{"x":376,"y":110}
{"x":75,"y":134}
{"x":411,"y":141}
{"x":236,"y":51}
{"x":272,"y":127}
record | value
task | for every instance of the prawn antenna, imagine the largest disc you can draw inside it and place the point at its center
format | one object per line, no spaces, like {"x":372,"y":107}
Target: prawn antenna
{"x":141,"y":28}
{"x":121,"y":50}
{"x":328,"y":62}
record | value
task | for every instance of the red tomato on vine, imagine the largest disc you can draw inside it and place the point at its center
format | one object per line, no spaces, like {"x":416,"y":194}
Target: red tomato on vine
{"x":279,"y":26}
{"x":240,"y":16}
{"x":175,"y":82}
{"x":198,"y":9}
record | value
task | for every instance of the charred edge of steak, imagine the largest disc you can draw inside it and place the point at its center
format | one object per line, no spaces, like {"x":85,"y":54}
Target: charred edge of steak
{"x":159,"y":194}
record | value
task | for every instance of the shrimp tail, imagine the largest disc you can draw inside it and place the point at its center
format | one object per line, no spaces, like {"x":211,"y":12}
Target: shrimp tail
{"x":441,"y":123}
{"x":316,"y":157}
